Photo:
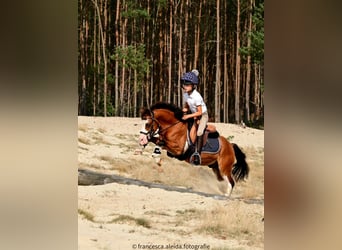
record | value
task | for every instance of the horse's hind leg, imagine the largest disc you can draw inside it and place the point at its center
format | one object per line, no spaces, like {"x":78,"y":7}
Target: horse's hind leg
{"x":231,"y":184}
{"x":225,"y":167}
{"x":223,"y":177}
{"x":216,"y":170}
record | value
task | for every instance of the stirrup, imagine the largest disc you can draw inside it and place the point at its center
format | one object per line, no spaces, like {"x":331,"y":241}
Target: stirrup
{"x":195,"y":159}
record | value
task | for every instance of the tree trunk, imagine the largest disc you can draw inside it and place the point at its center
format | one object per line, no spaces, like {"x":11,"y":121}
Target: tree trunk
{"x":237,"y":67}
{"x":204,"y":72}
{"x":170,"y":54}
{"x":181,"y":70}
{"x":82,"y":101}
{"x":104,"y":42}
{"x":123,"y":71}
{"x":104,"y":59}
{"x":225,"y":70}
{"x":186,"y":34}
{"x":117,"y":42}
{"x":178,"y":36}
{"x":197,"y":36}
{"x":94,"y":66}
{"x":248,"y":73}
{"x":218,"y":66}
{"x":257,"y":91}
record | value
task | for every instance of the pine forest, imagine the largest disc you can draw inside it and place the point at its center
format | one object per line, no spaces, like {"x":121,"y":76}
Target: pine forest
{"x":132,"y":54}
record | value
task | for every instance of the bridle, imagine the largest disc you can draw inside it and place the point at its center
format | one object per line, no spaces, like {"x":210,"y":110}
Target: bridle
{"x":156,"y":132}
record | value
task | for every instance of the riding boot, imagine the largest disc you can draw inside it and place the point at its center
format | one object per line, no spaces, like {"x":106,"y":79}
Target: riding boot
{"x":197,"y":155}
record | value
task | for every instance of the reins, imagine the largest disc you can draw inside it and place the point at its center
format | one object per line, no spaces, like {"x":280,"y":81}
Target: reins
{"x":173,"y":124}
{"x":159,"y":130}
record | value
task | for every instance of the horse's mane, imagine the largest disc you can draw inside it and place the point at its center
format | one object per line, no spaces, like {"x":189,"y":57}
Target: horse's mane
{"x":171,"y":107}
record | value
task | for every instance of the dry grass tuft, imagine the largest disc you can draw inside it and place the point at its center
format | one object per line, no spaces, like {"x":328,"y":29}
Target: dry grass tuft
{"x":86,"y":215}
{"x":254,"y":185}
{"x":102,"y":130}
{"x":126,"y":218}
{"x":184,"y":216}
{"x":84,"y":140}
{"x":233,"y":221}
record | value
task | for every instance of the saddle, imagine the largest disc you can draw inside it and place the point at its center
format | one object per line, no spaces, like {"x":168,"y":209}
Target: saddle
{"x":211,"y":142}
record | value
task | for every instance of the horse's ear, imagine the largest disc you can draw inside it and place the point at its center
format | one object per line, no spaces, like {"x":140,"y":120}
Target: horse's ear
{"x":144,"y":112}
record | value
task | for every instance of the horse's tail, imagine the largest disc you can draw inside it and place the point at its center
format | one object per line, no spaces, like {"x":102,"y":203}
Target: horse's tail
{"x":241,"y":168}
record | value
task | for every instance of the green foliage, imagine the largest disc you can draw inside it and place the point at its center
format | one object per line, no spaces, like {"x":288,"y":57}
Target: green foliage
{"x":110,"y":78}
{"x":230,"y":138}
{"x":258,"y":124}
{"x":162,"y":3}
{"x":133,"y":57}
{"x":110,"y":107}
{"x":134,"y":11}
{"x":140,"y":43}
{"x":256,"y":50}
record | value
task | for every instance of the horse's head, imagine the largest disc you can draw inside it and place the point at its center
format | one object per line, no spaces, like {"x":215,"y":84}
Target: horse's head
{"x":158,"y":119}
{"x":149,"y":129}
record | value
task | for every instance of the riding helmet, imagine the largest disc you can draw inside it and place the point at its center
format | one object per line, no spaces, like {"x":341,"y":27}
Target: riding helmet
{"x":190,"y":77}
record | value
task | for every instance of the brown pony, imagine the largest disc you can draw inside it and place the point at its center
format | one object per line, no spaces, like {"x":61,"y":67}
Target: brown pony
{"x":164,"y":127}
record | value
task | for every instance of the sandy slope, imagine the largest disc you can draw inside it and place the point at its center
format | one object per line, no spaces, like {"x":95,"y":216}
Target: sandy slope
{"x":171,"y":217}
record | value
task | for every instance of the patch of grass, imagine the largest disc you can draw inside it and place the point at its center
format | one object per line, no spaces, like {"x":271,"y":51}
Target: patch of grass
{"x":187,"y":211}
{"x":84,"y":140}
{"x":179,"y":231}
{"x":126,"y":218}
{"x":230,"y":138}
{"x":214,"y":229}
{"x":254,"y":186}
{"x":232,"y":221}
{"x":83,"y":148}
{"x":102,"y":130}
{"x":184,"y":216}
{"x":86,"y":215}
{"x":143,"y":222}
{"x":156,"y":213}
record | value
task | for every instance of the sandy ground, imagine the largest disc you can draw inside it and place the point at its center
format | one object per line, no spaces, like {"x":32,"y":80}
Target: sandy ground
{"x":117,"y":216}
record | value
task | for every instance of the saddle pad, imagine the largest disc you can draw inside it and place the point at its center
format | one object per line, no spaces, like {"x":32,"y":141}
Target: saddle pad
{"x":212,"y":146}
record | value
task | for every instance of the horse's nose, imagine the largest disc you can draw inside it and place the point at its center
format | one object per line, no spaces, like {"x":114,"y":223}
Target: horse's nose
{"x":143,"y":139}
